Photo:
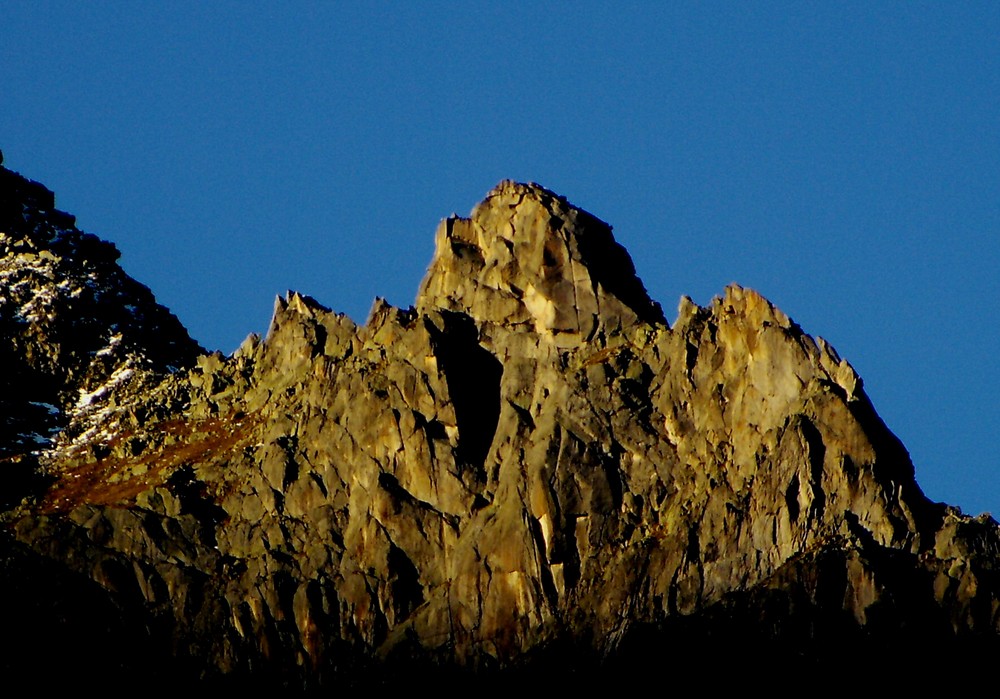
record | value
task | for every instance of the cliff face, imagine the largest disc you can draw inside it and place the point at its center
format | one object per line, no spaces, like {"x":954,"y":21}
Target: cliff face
{"x":528,"y":466}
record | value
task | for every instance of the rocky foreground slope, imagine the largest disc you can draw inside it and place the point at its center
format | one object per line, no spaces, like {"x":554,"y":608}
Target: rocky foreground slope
{"x":529,"y":473}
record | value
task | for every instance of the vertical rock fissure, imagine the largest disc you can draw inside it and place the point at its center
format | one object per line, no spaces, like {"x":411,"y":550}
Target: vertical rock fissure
{"x":473,"y":376}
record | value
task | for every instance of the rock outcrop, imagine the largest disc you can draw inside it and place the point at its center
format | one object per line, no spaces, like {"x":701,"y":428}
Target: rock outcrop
{"x":529,"y":468}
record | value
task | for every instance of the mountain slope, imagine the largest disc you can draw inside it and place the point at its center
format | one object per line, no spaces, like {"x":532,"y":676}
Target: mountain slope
{"x":527,"y":470}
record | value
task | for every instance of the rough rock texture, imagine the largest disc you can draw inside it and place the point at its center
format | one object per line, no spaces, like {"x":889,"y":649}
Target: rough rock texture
{"x":528,"y":471}
{"x":76,"y":333}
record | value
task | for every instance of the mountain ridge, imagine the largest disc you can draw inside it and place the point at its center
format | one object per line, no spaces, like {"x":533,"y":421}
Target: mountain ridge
{"x":528,"y":466}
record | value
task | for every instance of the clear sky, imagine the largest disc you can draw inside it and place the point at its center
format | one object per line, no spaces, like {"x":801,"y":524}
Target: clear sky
{"x":843,"y":159}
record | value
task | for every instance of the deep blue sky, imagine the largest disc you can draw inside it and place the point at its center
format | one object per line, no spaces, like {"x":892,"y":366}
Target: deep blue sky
{"x":843,"y":159}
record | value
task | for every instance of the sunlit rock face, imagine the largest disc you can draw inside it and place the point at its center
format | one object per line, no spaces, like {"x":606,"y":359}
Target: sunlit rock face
{"x":527,"y":257}
{"x":528,"y":469}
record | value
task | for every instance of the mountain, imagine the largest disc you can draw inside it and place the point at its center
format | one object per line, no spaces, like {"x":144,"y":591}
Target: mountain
{"x":527,"y":477}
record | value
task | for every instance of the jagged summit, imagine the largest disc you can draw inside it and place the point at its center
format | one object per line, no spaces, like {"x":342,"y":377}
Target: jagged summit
{"x":74,"y":327}
{"x":527,"y":256}
{"x":528,"y":472}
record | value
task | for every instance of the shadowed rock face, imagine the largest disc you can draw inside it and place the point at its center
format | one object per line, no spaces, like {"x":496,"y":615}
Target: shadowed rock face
{"x":73,"y":325}
{"x":527,"y":470}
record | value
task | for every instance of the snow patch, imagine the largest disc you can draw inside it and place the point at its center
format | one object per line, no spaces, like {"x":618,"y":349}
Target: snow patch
{"x":121,"y":374}
{"x":113,"y":342}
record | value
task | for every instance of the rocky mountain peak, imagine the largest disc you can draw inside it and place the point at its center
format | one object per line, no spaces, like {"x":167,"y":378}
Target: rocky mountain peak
{"x":74,"y":328}
{"x":528,"y":470}
{"x":527,"y":257}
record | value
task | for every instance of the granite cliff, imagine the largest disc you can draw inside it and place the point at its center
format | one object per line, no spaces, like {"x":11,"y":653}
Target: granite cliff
{"x":527,"y":474}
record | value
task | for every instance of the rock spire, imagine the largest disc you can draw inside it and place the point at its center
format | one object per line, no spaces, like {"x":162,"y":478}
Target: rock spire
{"x":528,"y":257}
